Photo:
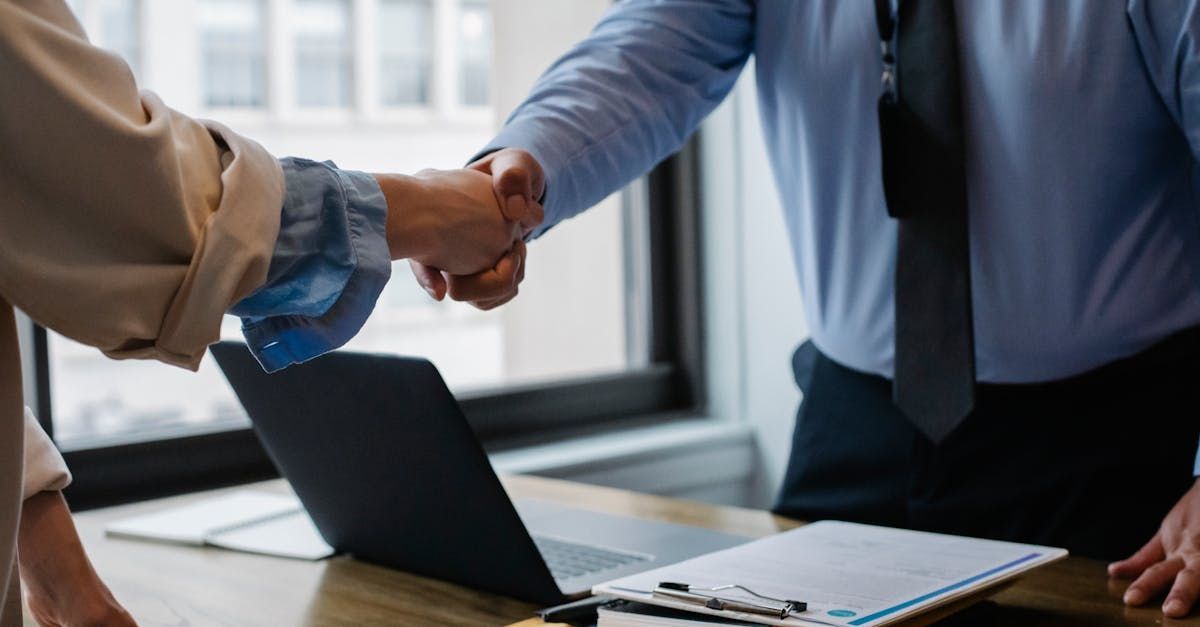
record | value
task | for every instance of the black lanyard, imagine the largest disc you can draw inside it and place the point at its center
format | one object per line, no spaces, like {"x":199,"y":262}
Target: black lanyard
{"x":885,"y":20}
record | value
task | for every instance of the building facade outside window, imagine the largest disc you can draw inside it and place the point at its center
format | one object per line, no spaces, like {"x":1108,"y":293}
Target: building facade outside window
{"x":475,"y":40}
{"x":405,"y":52}
{"x":276,"y":59}
{"x":233,"y":53}
{"x":114,"y":25}
{"x":324,"y":57}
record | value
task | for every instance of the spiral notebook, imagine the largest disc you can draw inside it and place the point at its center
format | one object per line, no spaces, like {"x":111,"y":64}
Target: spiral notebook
{"x":247,"y":520}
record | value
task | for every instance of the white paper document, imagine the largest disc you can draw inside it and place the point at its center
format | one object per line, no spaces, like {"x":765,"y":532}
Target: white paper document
{"x":255,"y":522}
{"x":849,"y":574}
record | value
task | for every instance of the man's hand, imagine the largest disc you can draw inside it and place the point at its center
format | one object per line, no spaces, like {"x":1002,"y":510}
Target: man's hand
{"x":1172,"y":555}
{"x":518,"y":184}
{"x":61,"y":587}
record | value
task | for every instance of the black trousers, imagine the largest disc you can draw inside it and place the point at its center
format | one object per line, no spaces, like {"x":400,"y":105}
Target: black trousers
{"x":1091,"y":463}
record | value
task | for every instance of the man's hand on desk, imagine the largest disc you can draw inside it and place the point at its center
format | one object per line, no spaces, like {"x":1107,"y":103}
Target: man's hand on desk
{"x":1170,"y":560}
{"x":517,"y":183}
{"x":61,"y":587}
{"x":450,"y":226}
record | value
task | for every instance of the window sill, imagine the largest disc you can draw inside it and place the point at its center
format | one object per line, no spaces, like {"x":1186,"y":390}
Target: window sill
{"x":702,"y":459}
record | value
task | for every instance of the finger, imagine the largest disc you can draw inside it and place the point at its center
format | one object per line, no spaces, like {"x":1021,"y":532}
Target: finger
{"x":533,"y":218}
{"x":489,"y":284}
{"x":517,"y":179}
{"x":522,"y":263}
{"x":1153,"y":581}
{"x":1150,"y":553}
{"x":488,"y":305}
{"x":1183,"y":594}
{"x":430,"y":279}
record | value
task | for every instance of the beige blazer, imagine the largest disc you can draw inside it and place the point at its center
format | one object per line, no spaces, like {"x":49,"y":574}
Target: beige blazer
{"x":123,"y":225}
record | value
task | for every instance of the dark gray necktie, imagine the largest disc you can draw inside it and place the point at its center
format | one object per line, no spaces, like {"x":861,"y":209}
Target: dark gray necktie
{"x":925,"y":184}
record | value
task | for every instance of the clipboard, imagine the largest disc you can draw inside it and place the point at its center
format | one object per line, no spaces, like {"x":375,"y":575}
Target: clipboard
{"x":844,"y":574}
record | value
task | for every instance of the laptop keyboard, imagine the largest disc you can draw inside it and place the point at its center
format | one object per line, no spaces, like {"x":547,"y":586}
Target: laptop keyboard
{"x":568,"y":559}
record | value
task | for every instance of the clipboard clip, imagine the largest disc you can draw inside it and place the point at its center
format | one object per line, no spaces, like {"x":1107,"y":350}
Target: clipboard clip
{"x":778,"y":608}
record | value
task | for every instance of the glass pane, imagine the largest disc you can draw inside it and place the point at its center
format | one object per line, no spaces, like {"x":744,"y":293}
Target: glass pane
{"x":323,"y":56}
{"x":119,"y":29}
{"x":405,"y":51}
{"x":233,"y":53}
{"x":475,"y":45}
{"x":570,"y":319}
{"x":95,"y":399}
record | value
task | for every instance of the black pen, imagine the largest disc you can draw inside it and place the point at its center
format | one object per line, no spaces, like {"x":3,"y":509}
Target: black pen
{"x":581,"y":612}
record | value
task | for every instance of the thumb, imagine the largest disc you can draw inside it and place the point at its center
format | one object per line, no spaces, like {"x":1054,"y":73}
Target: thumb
{"x":518,"y":181}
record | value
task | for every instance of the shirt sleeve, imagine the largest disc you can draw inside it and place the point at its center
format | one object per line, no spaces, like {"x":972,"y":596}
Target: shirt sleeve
{"x":45,"y":470}
{"x":628,"y":96}
{"x":330,"y":264}
{"x":124,"y":225}
{"x":1168,"y":37}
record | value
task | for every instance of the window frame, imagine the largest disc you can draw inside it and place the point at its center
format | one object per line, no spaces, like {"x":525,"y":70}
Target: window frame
{"x":668,"y":387}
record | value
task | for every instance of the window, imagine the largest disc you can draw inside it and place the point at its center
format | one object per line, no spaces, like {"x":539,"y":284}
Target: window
{"x":114,"y":25}
{"x":475,"y":43}
{"x":323,"y":59}
{"x":233,"y":53}
{"x":601,"y":331}
{"x":405,"y":52}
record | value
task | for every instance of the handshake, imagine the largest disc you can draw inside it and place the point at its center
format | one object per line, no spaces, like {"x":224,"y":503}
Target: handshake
{"x":463,"y":231}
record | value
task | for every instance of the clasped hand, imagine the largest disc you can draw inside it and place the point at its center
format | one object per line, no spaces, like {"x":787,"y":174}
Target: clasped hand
{"x":463,"y":231}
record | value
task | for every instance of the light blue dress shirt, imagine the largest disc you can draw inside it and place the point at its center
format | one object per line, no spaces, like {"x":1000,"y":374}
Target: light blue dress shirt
{"x":330,"y":263}
{"x":1083,"y":124}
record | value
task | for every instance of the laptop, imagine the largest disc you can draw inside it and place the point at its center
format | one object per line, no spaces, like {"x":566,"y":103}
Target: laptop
{"x":380,"y":454}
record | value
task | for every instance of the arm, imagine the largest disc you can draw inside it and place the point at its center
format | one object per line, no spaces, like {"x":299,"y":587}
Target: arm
{"x":133,"y":228}
{"x":628,"y":96}
{"x":605,"y":113}
{"x":128,"y":226}
{"x":1168,"y":38}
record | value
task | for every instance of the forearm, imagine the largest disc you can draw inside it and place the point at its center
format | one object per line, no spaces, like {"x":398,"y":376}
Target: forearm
{"x":403,"y":226}
{"x":49,"y":547}
{"x":628,"y":96}
{"x":62,"y":587}
{"x":125,"y":225}
{"x":340,"y":230}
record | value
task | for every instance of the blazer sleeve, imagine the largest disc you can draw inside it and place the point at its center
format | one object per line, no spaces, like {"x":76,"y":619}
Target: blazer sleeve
{"x":124,"y":225}
{"x":45,"y":470}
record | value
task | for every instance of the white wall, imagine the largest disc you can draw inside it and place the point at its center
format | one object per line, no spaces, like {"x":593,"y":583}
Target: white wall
{"x":753,"y":312}
{"x":587,"y":272}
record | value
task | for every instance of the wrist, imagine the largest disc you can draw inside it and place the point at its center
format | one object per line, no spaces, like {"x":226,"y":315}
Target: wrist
{"x":405,"y":219}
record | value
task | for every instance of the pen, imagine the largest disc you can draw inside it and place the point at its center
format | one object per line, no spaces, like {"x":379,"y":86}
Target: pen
{"x":683,"y":592}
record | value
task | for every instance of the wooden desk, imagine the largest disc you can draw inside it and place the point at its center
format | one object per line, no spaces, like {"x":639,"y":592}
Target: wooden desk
{"x":172,"y":585}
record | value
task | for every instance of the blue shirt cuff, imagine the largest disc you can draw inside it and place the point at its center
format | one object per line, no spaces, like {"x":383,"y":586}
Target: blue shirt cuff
{"x":331,"y":262}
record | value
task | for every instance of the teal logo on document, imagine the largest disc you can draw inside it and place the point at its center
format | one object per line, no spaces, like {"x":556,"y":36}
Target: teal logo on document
{"x":840,"y":613}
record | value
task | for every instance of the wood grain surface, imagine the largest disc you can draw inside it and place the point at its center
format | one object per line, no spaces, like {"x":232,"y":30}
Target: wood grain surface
{"x":178,"y":586}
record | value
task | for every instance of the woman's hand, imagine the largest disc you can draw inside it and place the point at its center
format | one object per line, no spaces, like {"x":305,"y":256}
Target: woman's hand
{"x":61,"y":587}
{"x":447,"y":219}
{"x":459,"y":234}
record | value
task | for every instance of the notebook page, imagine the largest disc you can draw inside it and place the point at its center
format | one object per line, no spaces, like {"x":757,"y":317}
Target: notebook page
{"x":291,"y":535}
{"x":192,"y":523}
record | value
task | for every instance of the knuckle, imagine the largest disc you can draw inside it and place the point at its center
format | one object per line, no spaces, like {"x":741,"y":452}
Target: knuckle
{"x":514,"y":177}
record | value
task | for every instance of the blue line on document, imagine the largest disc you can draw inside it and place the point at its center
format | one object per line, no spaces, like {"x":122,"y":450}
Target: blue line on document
{"x":940,"y":591}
